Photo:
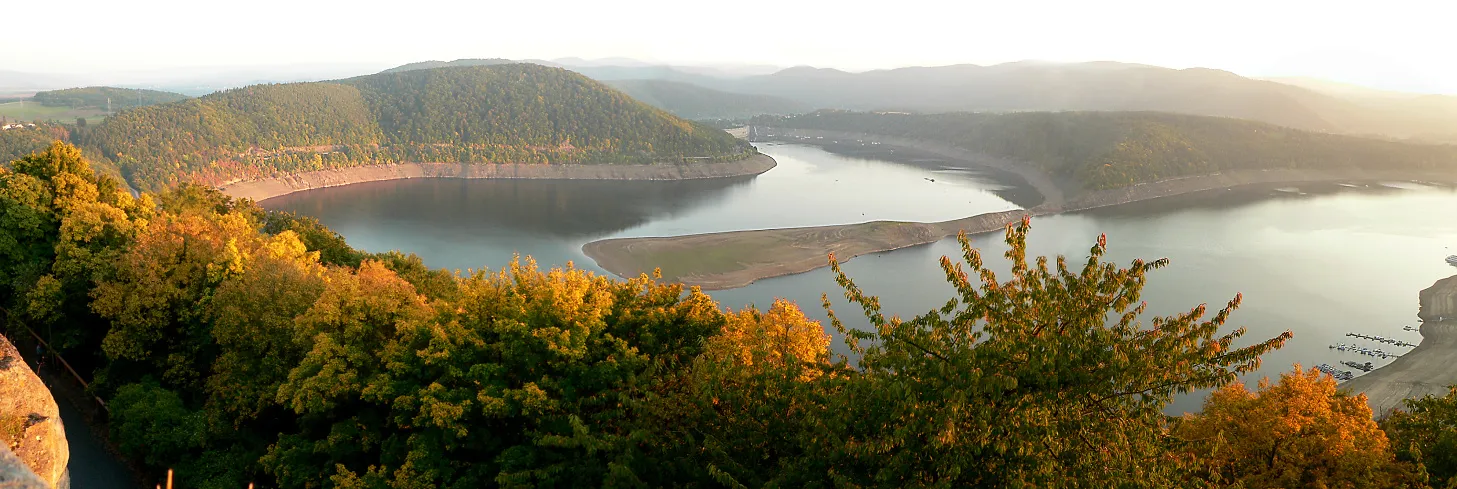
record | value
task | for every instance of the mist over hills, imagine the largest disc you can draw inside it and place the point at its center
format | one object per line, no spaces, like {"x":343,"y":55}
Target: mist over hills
{"x":696,"y":102}
{"x":710,"y":92}
{"x":1036,"y":86}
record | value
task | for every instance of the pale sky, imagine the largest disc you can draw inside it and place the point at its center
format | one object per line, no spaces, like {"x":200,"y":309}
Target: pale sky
{"x":1392,"y":44}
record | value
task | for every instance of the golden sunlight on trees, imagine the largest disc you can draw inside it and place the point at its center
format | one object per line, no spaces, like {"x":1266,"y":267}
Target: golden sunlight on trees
{"x":1299,"y":432}
{"x":238,"y":345}
{"x":777,"y":336}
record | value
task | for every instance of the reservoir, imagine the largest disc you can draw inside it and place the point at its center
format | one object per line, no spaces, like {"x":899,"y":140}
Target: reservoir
{"x":1318,"y":260}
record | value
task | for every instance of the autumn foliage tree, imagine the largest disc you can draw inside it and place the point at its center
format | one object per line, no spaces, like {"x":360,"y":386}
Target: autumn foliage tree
{"x":1300,"y":432}
{"x":237,"y":345}
{"x":1045,"y":379}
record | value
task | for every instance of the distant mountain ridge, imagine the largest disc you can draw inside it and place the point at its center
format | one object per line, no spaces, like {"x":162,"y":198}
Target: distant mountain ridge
{"x":691,"y":101}
{"x":1044,"y":86}
{"x":1101,"y":86}
{"x":502,"y":113}
{"x":1107,"y":150}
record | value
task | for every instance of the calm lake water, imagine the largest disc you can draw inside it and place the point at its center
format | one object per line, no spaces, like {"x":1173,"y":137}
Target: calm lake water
{"x":1319,"y":260}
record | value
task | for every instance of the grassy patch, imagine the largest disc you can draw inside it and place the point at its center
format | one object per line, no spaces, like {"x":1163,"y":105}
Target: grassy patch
{"x":11,"y":429}
{"x":32,"y":111}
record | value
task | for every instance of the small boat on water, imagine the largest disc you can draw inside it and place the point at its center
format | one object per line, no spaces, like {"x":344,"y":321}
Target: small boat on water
{"x":1452,"y":260}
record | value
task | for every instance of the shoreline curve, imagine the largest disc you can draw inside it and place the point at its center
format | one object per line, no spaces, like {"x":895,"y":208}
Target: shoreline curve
{"x":728,"y":260}
{"x":268,"y":188}
{"x":1425,"y":369}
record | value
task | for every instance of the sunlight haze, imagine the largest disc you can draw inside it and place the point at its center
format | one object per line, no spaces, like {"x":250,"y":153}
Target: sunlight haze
{"x":1399,"y":45}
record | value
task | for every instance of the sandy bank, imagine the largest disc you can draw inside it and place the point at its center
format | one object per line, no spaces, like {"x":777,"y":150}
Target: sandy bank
{"x":1426,"y":369}
{"x":718,"y":261}
{"x":735,"y":259}
{"x":260,"y":190}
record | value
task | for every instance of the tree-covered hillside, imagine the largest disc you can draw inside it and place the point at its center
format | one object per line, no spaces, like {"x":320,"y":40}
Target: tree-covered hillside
{"x":694,"y":102}
{"x":102,"y":97}
{"x":528,"y":113}
{"x":516,"y":113}
{"x":1102,"y":150}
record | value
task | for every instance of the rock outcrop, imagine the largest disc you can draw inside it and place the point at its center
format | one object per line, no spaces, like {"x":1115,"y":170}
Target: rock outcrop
{"x":1440,"y":300}
{"x":1426,"y":369}
{"x":30,"y":425}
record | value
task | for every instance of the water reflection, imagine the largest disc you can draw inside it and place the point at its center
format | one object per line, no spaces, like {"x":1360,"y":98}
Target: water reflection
{"x":545,"y":208}
{"x":462,"y":224}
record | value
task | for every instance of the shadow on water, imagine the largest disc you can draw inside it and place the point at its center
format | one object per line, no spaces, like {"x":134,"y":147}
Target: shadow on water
{"x":1229,"y":199}
{"x":547,"y":208}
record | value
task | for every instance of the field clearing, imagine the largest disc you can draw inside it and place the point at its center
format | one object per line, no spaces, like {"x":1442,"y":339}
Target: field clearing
{"x":33,"y":111}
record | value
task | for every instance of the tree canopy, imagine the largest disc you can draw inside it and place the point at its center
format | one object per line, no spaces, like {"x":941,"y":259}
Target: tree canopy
{"x":1299,"y":432}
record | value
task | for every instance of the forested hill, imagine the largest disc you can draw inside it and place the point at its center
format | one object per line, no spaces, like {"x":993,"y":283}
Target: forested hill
{"x":694,"y":102}
{"x":104,"y":97}
{"x":513,"y":113}
{"x":1100,"y":150}
{"x":427,"y":65}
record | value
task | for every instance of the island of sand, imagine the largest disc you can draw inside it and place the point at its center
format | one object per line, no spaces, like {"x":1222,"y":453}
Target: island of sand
{"x":728,"y":260}
{"x":1426,"y":369}
{"x":267,"y":188}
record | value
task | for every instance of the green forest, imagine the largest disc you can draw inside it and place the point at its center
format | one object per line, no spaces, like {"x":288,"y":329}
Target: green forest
{"x":513,"y":113}
{"x":236,"y":345}
{"x":1100,"y":150}
{"x":103,"y":97}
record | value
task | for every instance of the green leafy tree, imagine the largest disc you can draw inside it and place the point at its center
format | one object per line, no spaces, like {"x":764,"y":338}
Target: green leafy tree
{"x":1424,"y":432}
{"x":1046,"y":379}
{"x":153,"y":424}
{"x":62,"y":227}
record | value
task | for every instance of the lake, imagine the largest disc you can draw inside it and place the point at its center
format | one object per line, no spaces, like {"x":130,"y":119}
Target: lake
{"x":1319,"y":260}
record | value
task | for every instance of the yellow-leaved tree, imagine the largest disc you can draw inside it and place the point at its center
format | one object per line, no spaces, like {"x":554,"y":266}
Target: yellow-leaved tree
{"x":1300,"y":432}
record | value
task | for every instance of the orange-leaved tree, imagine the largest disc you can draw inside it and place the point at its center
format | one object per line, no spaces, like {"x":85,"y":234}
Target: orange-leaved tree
{"x":1300,"y":432}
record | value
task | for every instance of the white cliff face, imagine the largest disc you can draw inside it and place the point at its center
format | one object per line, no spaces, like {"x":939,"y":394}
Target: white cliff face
{"x":30,"y":426}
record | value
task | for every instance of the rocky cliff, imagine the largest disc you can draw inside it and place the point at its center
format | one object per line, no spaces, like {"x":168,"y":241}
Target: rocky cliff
{"x":1440,"y":300}
{"x":30,"y":426}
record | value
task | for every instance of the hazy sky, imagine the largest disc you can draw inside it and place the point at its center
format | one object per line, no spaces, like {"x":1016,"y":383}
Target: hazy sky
{"x":1395,"y":44}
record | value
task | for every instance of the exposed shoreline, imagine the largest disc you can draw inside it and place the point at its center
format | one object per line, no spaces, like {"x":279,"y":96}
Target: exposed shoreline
{"x":267,"y":188}
{"x":1427,"y":368}
{"x":727,"y":260}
